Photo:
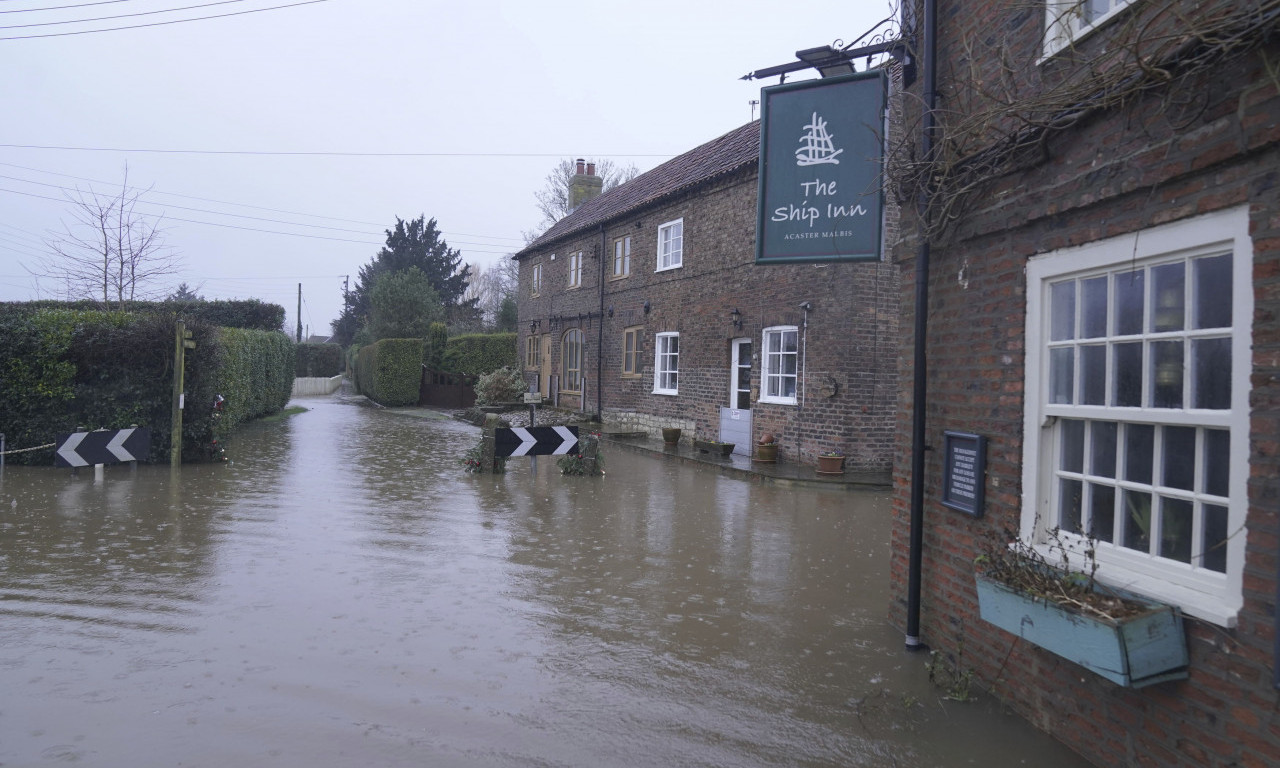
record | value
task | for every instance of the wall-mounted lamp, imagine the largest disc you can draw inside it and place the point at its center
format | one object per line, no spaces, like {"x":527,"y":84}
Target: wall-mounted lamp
{"x":533,"y":325}
{"x":737,"y":318}
{"x":646,"y":307}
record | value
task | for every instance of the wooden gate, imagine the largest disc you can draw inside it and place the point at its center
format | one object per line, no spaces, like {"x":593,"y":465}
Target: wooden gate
{"x":447,"y":390}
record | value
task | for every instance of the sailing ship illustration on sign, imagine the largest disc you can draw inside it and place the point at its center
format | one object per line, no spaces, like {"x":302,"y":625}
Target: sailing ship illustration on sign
{"x":815,"y":145}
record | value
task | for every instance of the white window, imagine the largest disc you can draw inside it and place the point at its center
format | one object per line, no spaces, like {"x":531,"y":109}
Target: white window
{"x":1137,"y":417}
{"x":1066,"y":21}
{"x":575,"y":269}
{"x":778,"y":374}
{"x":670,"y":245}
{"x":666,"y":363}
{"x":535,"y":280}
{"x":621,"y":257}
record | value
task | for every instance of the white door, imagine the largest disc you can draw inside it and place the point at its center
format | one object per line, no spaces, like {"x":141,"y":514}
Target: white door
{"x":735,"y":420}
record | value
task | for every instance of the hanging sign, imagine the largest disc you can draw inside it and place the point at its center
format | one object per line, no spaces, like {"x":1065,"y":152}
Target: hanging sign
{"x":821,"y":170}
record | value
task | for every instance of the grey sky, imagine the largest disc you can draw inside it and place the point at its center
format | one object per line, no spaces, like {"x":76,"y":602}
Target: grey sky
{"x":490,"y":94}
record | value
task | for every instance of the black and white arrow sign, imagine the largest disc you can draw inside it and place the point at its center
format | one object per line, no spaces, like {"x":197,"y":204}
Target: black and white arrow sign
{"x":106,"y":446}
{"x":534,"y":441}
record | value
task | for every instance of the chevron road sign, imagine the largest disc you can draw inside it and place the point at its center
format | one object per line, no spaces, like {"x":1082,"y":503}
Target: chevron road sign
{"x":534,"y":441}
{"x":105,"y":446}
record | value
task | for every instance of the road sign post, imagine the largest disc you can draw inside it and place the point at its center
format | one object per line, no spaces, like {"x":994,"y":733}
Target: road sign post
{"x":103,"y":446}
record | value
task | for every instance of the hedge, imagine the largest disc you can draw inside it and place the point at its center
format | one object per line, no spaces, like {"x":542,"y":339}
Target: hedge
{"x":389,"y":371}
{"x":319,"y":360}
{"x":480,"y":353}
{"x":65,"y":369}
{"x":255,"y":377}
{"x":233,"y":313}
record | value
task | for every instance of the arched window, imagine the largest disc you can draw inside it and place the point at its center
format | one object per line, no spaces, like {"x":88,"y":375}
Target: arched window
{"x":571,"y":361}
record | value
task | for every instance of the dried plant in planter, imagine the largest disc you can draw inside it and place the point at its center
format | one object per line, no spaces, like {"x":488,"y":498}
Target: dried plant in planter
{"x":1014,"y":562}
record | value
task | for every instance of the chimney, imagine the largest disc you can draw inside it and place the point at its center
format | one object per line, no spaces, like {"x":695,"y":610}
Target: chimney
{"x":585,"y":184}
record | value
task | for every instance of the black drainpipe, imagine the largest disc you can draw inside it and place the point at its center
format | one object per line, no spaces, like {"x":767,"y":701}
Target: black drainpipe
{"x":600,"y":335}
{"x":928,"y":52}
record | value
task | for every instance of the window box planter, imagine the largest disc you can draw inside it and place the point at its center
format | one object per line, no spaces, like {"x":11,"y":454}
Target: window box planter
{"x":713,"y":447}
{"x":831,"y":464}
{"x":766,"y":453}
{"x":1134,"y":651}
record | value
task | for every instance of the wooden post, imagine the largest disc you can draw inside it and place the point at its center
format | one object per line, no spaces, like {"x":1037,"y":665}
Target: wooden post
{"x":488,"y":461}
{"x":181,"y":343}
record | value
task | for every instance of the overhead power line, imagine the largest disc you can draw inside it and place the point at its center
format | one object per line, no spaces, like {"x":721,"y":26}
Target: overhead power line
{"x":119,"y":15}
{"x":251,"y":152}
{"x":164,"y":23}
{"x":66,"y":7}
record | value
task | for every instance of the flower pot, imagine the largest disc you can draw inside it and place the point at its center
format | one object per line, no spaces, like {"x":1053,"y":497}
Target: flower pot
{"x":714,"y":447}
{"x":766,"y":452}
{"x":1133,"y":651}
{"x":831,"y":465}
{"x":670,"y":435}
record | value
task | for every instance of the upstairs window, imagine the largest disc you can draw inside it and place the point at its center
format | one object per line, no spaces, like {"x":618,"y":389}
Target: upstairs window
{"x":1066,"y":21}
{"x":670,"y":245}
{"x":535,"y":280}
{"x":575,"y":269}
{"x":621,"y":257}
{"x":1137,"y":415}
{"x":666,"y":364}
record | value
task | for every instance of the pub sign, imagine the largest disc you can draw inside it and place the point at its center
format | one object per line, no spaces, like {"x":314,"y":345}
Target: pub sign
{"x":821,"y":170}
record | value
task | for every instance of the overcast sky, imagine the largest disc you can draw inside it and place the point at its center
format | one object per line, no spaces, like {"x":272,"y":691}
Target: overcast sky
{"x":268,"y":138}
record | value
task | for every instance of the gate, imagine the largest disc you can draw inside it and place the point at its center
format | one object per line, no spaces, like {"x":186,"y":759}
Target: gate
{"x":447,"y":390}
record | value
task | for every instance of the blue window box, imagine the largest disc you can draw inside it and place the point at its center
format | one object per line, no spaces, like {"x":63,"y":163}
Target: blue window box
{"x":1134,"y":651}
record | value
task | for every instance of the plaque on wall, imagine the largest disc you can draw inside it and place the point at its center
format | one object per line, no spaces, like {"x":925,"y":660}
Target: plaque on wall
{"x":964,"y":472}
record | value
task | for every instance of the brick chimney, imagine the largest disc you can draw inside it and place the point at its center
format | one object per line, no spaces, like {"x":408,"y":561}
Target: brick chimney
{"x":585,"y":184}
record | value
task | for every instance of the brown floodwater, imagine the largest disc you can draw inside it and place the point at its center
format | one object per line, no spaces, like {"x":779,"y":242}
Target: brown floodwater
{"x":340,"y":593}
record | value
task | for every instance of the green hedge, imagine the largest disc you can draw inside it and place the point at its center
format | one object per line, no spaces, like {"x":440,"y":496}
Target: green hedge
{"x":233,"y":313}
{"x":63,"y":370}
{"x":255,"y":376}
{"x":319,"y":360}
{"x":389,"y":371}
{"x":480,"y":353}
{"x":66,"y":370}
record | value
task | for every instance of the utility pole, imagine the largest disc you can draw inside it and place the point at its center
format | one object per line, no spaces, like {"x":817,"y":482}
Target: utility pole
{"x":182,"y":341}
{"x":299,"y":339}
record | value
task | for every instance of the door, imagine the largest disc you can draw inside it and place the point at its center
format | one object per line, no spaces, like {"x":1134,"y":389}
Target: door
{"x":735,"y":420}
{"x":544,"y":371}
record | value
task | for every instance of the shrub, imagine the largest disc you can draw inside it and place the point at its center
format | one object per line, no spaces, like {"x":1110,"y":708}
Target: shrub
{"x":436,"y":343}
{"x":389,"y":371}
{"x":501,"y":386}
{"x":480,"y":353}
{"x":318,"y":360}
{"x":255,"y":376}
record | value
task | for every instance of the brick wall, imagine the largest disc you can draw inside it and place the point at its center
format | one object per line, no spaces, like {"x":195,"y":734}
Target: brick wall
{"x":1129,"y":168}
{"x":850,"y":352}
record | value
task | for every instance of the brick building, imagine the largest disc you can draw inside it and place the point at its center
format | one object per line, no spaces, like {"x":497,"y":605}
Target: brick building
{"x":1104,"y":308}
{"x":644,"y":306}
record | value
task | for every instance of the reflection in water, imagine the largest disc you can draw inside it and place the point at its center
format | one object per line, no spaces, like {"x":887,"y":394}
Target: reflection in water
{"x":341,"y":593}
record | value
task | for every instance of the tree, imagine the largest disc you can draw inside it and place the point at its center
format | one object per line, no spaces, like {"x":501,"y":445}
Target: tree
{"x":553,"y":198}
{"x":403,"y":306}
{"x":184,"y":293}
{"x":492,"y":288}
{"x":109,"y":252}
{"x":417,"y":243}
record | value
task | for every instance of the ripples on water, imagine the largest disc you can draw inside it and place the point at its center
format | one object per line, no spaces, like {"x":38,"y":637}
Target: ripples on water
{"x":341,"y":593}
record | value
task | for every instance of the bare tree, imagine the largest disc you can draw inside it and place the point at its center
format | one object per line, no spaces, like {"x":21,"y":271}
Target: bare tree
{"x":490,"y":287}
{"x":109,"y":252}
{"x":553,"y":198}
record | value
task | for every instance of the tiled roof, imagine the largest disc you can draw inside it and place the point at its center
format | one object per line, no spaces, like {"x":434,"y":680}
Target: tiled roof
{"x":734,"y":150}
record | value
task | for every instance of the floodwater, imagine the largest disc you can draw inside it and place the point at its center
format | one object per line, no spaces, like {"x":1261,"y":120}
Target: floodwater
{"x":340,"y":593}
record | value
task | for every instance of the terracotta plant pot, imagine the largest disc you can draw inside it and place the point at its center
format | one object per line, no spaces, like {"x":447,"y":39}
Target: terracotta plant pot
{"x":670,"y":435}
{"x":831,"y":465}
{"x":766,"y":452}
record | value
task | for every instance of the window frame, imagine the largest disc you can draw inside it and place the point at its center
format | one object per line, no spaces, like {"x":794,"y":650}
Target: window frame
{"x":1202,"y":592}
{"x":634,"y":334}
{"x":570,"y":375}
{"x":532,"y":352}
{"x":669,"y":256}
{"x":767,"y":377}
{"x":666,"y":363}
{"x":621,"y":258}
{"x":535,"y":279}
{"x":1064,"y":27}
{"x":575,"y":271}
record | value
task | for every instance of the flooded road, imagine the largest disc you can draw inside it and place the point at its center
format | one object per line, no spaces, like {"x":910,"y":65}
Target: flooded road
{"x":341,"y":593}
